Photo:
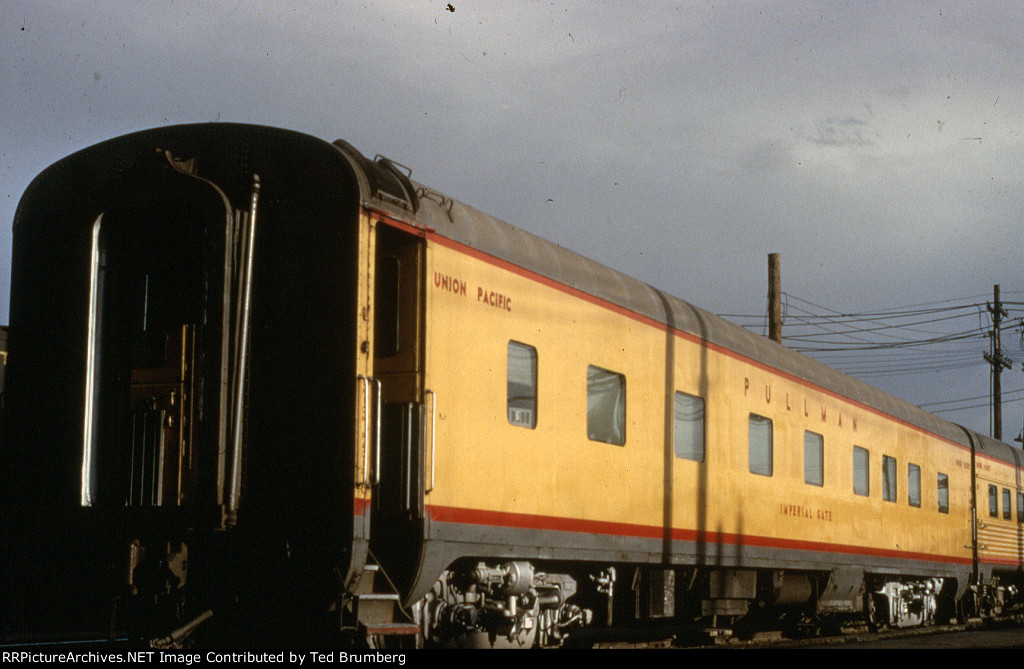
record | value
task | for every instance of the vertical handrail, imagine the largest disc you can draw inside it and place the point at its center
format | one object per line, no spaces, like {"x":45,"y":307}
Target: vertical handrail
{"x":85,"y":495}
{"x":433,"y":435}
{"x":243,"y":352}
{"x":407,"y":446}
{"x":364,"y":382}
{"x":376,"y":434}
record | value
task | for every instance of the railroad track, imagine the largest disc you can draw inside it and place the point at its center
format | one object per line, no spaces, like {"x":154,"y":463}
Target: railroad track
{"x":693,"y":639}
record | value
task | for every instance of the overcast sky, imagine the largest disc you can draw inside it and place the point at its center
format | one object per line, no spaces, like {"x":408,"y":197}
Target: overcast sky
{"x":875,"y":145}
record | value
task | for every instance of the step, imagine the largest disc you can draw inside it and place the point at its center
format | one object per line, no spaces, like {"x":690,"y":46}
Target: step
{"x":367,"y":580}
{"x":376,"y":607}
{"x":391,"y":629}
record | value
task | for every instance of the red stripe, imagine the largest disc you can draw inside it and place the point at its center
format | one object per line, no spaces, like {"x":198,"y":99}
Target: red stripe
{"x":1005,"y":562}
{"x":459,"y":247}
{"x":503,"y":519}
{"x":448,"y":514}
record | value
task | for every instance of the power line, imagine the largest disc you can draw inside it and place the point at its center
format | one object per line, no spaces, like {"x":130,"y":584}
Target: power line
{"x":971,"y":399}
{"x":920,"y":339}
{"x":975,"y":406}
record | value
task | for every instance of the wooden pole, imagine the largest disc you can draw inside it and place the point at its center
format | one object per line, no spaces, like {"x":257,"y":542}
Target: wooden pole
{"x":774,"y":298}
{"x":998,"y":362}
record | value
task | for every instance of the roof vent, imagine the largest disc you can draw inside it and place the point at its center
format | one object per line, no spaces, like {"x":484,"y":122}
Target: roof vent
{"x":394,"y":185}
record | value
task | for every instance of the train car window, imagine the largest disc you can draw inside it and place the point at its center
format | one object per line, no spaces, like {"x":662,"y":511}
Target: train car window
{"x":1007,"y":511}
{"x":861,"y":471}
{"x":914,"y":485}
{"x":606,"y":406}
{"x":760,"y":445}
{"x":943,"y":489}
{"x":1020,"y":507}
{"x":993,"y":501}
{"x":689,"y":427}
{"x":888,"y":478}
{"x":522,"y":385}
{"x":814,"y":459}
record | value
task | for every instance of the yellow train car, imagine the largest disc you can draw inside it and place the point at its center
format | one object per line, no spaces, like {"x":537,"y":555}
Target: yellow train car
{"x":575,"y":415}
{"x":1000,"y":520}
{"x":296,"y":396}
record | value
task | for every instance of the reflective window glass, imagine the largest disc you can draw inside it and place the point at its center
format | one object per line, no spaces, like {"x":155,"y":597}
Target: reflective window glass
{"x":760,"y":445}
{"x":943,"y":490}
{"x":814,"y":459}
{"x":888,"y":478}
{"x":861,"y":471}
{"x":606,"y":406}
{"x":914,"y":485}
{"x":522,"y":385}
{"x":689,"y":427}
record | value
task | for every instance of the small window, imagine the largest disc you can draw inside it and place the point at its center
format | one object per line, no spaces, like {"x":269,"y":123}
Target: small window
{"x":914,"y":485}
{"x":993,"y":501}
{"x":760,"y":445}
{"x":1007,"y":511}
{"x":689,"y":427}
{"x":861,"y":472}
{"x":943,"y":488}
{"x":814,"y":459}
{"x":1020,"y":507}
{"x":522,"y":385}
{"x":606,"y":406}
{"x":888,"y":478}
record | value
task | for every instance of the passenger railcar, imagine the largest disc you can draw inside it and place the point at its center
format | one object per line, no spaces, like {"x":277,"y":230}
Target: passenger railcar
{"x":261,"y":388}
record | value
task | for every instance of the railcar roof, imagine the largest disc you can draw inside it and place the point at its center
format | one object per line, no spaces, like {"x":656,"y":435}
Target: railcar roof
{"x":464,"y":224}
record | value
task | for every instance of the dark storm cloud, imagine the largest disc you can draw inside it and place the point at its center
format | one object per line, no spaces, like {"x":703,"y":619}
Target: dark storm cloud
{"x":876,"y":145}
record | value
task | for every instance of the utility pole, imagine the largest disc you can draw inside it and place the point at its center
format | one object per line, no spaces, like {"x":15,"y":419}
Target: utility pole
{"x":774,"y":298}
{"x":998,"y":362}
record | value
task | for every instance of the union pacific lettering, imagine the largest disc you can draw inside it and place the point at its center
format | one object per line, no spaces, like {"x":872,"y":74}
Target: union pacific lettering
{"x":453,"y":284}
{"x":494,"y":299}
{"x":450,"y":283}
